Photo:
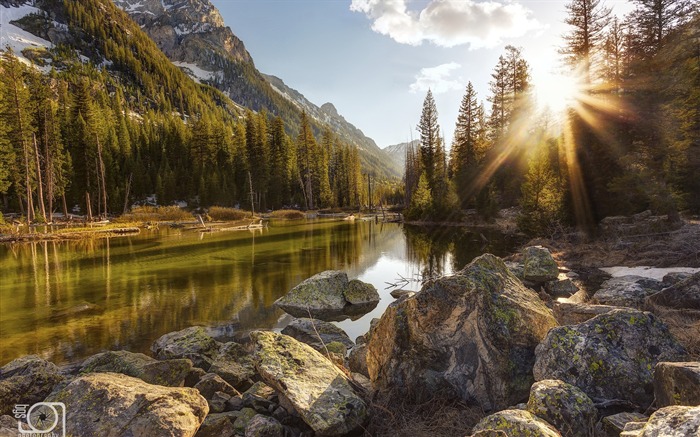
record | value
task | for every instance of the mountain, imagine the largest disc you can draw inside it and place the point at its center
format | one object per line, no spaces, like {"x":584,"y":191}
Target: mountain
{"x":193,"y":35}
{"x":397,"y":152}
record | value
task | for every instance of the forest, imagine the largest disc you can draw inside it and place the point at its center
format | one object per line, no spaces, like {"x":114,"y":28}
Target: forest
{"x":628,"y":142}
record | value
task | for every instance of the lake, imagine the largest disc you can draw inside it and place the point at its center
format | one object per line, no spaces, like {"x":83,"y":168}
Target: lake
{"x":65,"y":301}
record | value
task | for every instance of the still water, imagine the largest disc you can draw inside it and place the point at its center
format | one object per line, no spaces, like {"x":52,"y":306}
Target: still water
{"x":67,"y":300}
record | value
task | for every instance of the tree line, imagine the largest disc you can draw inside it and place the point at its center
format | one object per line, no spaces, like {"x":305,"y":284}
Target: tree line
{"x":630,"y":140}
{"x":78,"y":137}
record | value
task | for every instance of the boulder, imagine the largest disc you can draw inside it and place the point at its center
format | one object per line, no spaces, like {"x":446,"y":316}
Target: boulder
{"x":234,"y":363}
{"x":26,"y":380}
{"x":614,"y":424}
{"x":317,"y":333}
{"x":683,"y":295}
{"x":243,"y":419}
{"x":357,"y":360}
{"x":264,"y":426}
{"x":318,"y":390}
{"x":538,"y":265}
{"x":216,"y":391}
{"x":471,"y":335}
{"x":565,"y":406}
{"x":360,"y":293}
{"x":321,"y":292}
{"x":673,"y":421}
{"x":193,"y":343}
{"x":329,"y":296}
{"x":677,"y":384}
{"x":118,"y":405}
{"x":572,"y":313}
{"x":218,"y":425}
{"x":626,"y":291}
{"x":8,"y":427}
{"x":168,"y":372}
{"x":610,"y":356}
{"x":675,"y":277}
{"x":259,"y":397}
{"x":396,"y":294}
{"x":514,"y":423}
{"x":560,"y":287}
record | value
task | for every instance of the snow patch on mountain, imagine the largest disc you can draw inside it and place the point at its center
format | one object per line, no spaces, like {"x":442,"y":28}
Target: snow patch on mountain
{"x":14,"y":37}
{"x":197,"y":73}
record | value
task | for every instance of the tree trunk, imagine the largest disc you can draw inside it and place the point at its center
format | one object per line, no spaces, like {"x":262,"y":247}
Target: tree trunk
{"x":102,"y":176}
{"x":39,"y":189}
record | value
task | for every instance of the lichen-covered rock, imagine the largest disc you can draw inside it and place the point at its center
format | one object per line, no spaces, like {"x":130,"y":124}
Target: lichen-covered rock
{"x":614,"y":424}
{"x":193,"y":343}
{"x":677,"y":384}
{"x":472,"y":335}
{"x":396,"y":294}
{"x":26,"y":380}
{"x":360,"y":293}
{"x":317,"y":333}
{"x":675,"y":277}
{"x":218,"y":425}
{"x":538,"y":265}
{"x":234,"y":363}
{"x":611,"y":356}
{"x":8,"y":427}
{"x":673,"y":421}
{"x":561,"y":287}
{"x":515,"y":423}
{"x":319,"y":392}
{"x":264,"y":426}
{"x":168,"y":372}
{"x":357,"y":360}
{"x":683,"y":295}
{"x":565,"y":406}
{"x":244,"y":418}
{"x":212,"y":387}
{"x":626,"y":291}
{"x":260,"y":397}
{"x":321,"y":292}
{"x":112,"y":404}
{"x":572,"y":313}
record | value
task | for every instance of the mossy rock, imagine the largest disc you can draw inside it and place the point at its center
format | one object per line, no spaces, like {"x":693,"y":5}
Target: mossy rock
{"x":538,"y":265}
{"x":193,"y":343}
{"x":168,"y":372}
{"x":27,"y":380}
{"x":360,"y":293}
{"x":565,"y":406}
{"x":515,"y":423}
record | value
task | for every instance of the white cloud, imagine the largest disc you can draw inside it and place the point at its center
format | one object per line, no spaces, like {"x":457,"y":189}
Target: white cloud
{"x":438,"y":79}
{"x":448,"y":23}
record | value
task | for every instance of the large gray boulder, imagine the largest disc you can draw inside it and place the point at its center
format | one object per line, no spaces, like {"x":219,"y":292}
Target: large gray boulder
{"x":514,"y":423}
{"x":318,"y":390}
{"x":26,"y":380}
{"x":673,"y":421}
{"x":611,"y":356}
{"x":572,"y":313}
{"x":317,"y":333}
{"x":168,"y":372}
{"x":328,"y":295}
{"x":116,"y":405}
{"x":472,"y":335}
{"x":626,"y":291}
{"x":565,"y":406}
{"x":677,"y":384}
{"x":538,"y":265}
{"x":193,"y":343}
{"x":234,"y":363}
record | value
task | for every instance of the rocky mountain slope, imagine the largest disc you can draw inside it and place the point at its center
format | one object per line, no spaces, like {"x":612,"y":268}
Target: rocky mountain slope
{"x":194,"y":36}
{"x":397,"y":152}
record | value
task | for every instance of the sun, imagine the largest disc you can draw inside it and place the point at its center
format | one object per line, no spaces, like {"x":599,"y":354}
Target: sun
{"x":556,"y":91}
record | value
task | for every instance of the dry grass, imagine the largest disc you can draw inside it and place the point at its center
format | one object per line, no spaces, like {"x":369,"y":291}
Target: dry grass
{"x":288,"y":214}
{"x":155,"y":214}
{"x":228,"y":214}
{"x":393,"y":415}
{"x":685,"y":326}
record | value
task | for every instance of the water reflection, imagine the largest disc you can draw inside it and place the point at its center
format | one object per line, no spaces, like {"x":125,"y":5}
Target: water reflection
{"x":68,"y":300}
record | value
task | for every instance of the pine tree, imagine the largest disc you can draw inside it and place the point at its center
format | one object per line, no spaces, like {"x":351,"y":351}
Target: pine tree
{"x":655,"y":19}
{"x":429,"y":139}
{"x":499,"y":87}
{"x":466,"y":142}
{"x":307,"y":151}
{"x":588,"y":19}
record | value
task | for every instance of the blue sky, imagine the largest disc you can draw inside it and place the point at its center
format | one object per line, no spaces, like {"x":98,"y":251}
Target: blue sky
{"x":375,"y":59}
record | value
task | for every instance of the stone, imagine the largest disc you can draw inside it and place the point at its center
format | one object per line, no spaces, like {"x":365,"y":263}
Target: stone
{"x":360,"y":293}
{"x":538,"y":265}
{"x":264,"y":426}
{"x":357,"y":360}
{"x":234,"y":363}
{"x":27,"y":380}
{"x":193,"y":343}
{"x":317,"y":333}
{"x":8,"y":427}
{"x":560,"y":287}
{"x":113,"y":405}
{"x":471,"y":335}
{"x":194,"y":376}
{"x":259,"y":397}
{"x":626,"y":291}
{"x":518,"y":269}
{"x":571,"y":313}
{"x":217,"y":425}
{"x":514,"y":423}
{"x":168,"y":372}
{"x":675,"y":277}
{"x":611,"y":356}
{"x":565,"y":406}
{"x":684,"y":295}
{"x":216,"y":391}
{"x":396,"y":294}
{"x":317,"y":389}
{"x":673,"y":421}
{"x":321,"y":292}
{"x":244,"y":417}
{"x":677,"y":384}
{"x":614,"y":424}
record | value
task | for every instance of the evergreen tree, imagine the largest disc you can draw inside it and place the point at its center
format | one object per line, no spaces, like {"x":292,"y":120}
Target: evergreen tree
{"x":465,"y":146}
{"x":588,"y":19}
{"x":429,"y":140}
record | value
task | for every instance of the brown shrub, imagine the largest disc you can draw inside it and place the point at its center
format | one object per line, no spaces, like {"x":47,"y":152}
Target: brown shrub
{"x":288,"y":214}
{"x":228,"y":214}
{"x":156,"y":213}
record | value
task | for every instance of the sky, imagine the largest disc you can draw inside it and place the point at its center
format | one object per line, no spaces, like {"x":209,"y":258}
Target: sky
{"x":376,"y":59}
